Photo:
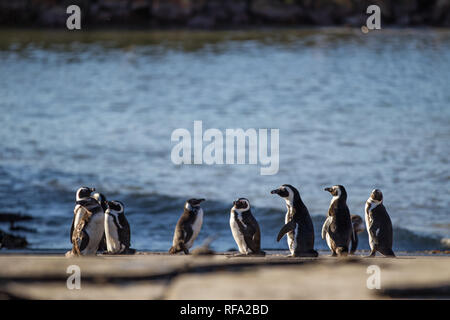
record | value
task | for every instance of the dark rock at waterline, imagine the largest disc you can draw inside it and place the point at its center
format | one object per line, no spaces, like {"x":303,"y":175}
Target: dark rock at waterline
{"x":211,"y":14}
{"x":10,"y":241}
{"x":14,"y":217}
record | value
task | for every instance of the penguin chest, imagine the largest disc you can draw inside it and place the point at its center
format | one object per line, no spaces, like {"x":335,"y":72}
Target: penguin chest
{"x":113,"y":244}
{"x":291,"y":236}
{"x":78,"y":213}
{"x":330,"y":242}
{"x":369,"y":222}
{"x":238,"y":235}
{"x":196,"y":226}
{"x":94,"y":229}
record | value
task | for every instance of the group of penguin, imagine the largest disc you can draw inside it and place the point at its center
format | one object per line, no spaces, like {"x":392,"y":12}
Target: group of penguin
{"x":100,"y":225}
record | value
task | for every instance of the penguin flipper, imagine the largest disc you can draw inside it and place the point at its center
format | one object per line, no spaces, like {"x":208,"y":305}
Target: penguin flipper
{"x":325,"y":227}
{"x":285,"y":229}
{"x":72,"y":228}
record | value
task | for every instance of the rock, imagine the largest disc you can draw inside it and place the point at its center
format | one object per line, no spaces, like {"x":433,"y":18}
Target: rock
{"x":13,"y":217}
{"x":53,"y":17}
{"x":10,"y":241}
{"x":170,"y":11}
{"x":201,"y":22}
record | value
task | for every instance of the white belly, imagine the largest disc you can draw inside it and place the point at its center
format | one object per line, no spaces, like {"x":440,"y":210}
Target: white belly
{"x":371,"y":240}
{"x":77,"y":215}
{"x":195,"y":228}
{"x":94,"y":229}
{"x":327,"y":237}
{"x":238,"y":237}
{"x":291,"y":236}
{"x":113,"y":244}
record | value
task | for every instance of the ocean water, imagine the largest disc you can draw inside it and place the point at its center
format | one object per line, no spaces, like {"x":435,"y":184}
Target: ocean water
{"x":98,"y":109}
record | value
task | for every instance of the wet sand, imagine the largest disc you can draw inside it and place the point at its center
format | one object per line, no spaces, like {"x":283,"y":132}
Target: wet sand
{"x":223,"y":276}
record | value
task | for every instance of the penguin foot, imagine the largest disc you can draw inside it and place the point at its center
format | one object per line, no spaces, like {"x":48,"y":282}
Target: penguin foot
{"x":237,"y":255}
{"x":388,"y":253}
{"x":69,"y":254}
{"x":307,"y":254}
{"x":259,"y":254}
{"x":129,"y":251}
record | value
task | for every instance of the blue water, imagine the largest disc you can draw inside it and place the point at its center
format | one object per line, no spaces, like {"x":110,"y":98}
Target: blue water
{"x":98,"y":109}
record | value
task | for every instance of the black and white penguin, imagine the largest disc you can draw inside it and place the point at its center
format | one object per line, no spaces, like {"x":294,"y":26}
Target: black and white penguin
{"x":338,"y":228}
{"x":188,"y":226}
{"x":298,"y":224}
{"x":88,"y":227}
{"x":358,"y":227}
{"x":379,"y":225}
{"x":245,"y":228}
{"x":83,"y":195}
{"x":101,"y":199}
{"x":117,"y":229}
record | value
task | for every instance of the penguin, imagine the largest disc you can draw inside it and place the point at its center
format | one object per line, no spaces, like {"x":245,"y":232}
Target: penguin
{"x":379,"y":225}
{"x":298,"y":224}
{"x":245,"y":228}
{"x":338,"y":228}
{"x":83,"y":195}
{"x":188,"y":227}
{"x":117,"y":229}
{"x":101,"y":199}
{"x":88,"y":228}
{"x":357,"y":227}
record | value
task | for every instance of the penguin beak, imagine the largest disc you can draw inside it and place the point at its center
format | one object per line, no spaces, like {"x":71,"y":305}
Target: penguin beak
{"x":328,"y":189}
{"x":276,"y":191}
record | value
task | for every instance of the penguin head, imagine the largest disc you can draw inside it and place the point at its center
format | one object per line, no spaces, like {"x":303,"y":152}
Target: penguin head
{"x":101,"y":199}
{"x":115,"y":207}
{"x":337,"y":191}
{"x":358,"y":223}
{"x":287,"y":192}
{"x":193,"y":204}
{"x":376,"y":195}
{"x":241,"y":205}
{"x":84,"y":192}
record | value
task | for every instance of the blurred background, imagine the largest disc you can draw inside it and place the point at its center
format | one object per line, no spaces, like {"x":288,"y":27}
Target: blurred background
{"x":96,"y":107}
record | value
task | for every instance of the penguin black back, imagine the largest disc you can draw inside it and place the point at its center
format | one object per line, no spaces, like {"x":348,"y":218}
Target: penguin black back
{"x":298,"y":223}
{"x":379,"y":225}
{"x":338,"y":226}
{"x":188,"y":226}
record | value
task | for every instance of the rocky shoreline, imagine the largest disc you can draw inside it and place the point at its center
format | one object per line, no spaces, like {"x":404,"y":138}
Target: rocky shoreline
{"x":10,"y":240}
{"x":222,"y":14}
{"x":275,"y":276}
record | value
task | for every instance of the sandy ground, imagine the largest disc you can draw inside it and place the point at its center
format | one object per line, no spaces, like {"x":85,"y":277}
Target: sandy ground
{"x":223,"y":276}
